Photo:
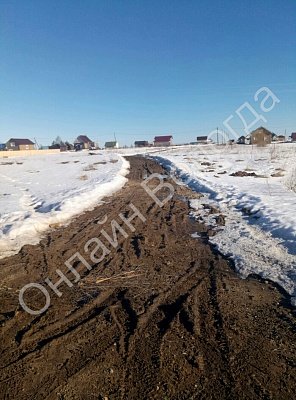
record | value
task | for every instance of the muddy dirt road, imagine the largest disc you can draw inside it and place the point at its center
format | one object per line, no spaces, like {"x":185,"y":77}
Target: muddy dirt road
{"x":162,"y":316}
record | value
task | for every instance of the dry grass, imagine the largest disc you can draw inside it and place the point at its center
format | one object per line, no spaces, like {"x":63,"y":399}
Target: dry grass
{"x":123,"y":275}
{"x":290,"y":182}
{"x":248,"y":169}
{"x":83,"y":177}
{"x":90,"y":167}
{"x":55,"y":225}
{"x":279,"y":173}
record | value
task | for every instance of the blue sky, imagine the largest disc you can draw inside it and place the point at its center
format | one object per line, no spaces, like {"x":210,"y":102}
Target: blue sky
{"x":142,"y":68}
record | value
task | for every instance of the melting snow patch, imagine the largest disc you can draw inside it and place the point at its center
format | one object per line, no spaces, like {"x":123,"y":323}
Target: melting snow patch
{"x":195,"y":235}
{"x":260,"y":212}
{"x":55,"y":193}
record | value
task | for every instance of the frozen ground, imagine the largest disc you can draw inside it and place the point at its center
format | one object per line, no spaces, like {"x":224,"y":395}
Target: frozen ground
{"x":260,"y":210}
{"x":38,"y":192}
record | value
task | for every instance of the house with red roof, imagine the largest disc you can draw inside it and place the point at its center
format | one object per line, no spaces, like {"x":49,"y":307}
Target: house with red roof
{"x":160,"y":141}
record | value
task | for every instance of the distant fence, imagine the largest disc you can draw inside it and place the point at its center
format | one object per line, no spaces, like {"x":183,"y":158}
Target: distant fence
{"x":20,"y":153}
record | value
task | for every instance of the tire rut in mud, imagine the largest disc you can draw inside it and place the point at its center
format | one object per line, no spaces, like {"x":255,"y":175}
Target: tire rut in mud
{"x":163,"y":316}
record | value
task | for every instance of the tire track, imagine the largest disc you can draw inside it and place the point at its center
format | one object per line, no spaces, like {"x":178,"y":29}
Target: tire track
{"x":185,"y":326}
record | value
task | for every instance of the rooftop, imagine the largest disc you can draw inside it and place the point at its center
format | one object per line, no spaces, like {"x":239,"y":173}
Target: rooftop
{"x":19,"y":142}
{"x":163,"y":138}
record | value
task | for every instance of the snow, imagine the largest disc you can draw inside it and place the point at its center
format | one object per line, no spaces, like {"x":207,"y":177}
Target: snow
{"x":39,"y":192}
{"x":260,"y":229}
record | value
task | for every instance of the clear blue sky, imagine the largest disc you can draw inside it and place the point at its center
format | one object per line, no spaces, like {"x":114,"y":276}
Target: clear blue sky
{"x":142,"y":68}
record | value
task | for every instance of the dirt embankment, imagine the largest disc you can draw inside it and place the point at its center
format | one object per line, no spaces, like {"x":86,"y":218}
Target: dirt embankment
{"x":162,"y":316}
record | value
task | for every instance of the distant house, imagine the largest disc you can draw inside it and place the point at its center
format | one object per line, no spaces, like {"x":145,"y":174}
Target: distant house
{"x":20,"y":144}
{"x":163,"y":140}
{"x":241,"y":140}
{"x":202,"y":140}
{"x":281,"y":138}
{"x":293,"y":136}
{"x":261,"y":136}
{"x":111,"y":145}
{"x":141,"y":143}
{"x":244,"y":140}
{"x":84,"y":142}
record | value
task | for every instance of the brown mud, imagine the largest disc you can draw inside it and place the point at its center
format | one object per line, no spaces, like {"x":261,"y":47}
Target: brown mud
{"x":163,"y":316}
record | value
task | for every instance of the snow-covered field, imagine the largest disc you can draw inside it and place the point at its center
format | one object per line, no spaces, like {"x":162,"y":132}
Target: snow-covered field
{"x":39,"y":192}
{"x":260,"y":210}
{"x":254,"y":188}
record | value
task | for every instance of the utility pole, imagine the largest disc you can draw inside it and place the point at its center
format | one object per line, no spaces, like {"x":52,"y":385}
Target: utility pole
{"x":217,"y":136}
{"x":37,"y":145}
